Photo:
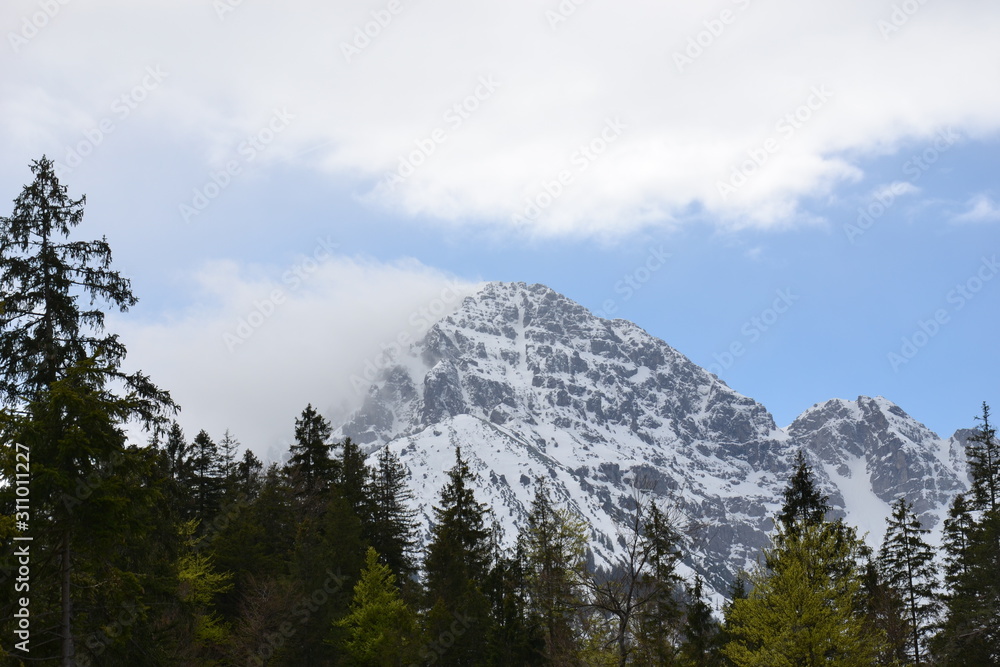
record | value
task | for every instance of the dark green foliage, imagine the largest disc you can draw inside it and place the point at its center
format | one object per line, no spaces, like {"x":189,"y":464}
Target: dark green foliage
{"x":970,"y":631}
{"x":702,"y":634}
{"x":44,"y":330}
{"x":457,"y":565}
{"x":392,"y":524}
{"x":353,"y":478}
{"x":206,"y":478}
{"x":983,"y":455}
{"x":906,"y":564}
{"x":310,"y":466}
{"x":803,"y":503}
{"x":516,"y":637}
{"x":56,"y":369}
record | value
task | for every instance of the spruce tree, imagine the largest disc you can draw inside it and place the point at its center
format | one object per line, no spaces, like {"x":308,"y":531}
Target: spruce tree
{"x":206,"y":478}
{"x":393,"y":529}
{"x":554,"y":546}
{"x":804,"y":605}
{"x":57,"y":362}
{"x":702,"y":634}
{"x":983,"y":455}
{"x":381,"y":629}
{"x":803,"y":503}
{"x":310,"y":465}
{"x":176,"y":451}
{"x":970,"y":631}
{"x":907,"y":564}
{"x":353,"y":479}
{"x":456,"y":568}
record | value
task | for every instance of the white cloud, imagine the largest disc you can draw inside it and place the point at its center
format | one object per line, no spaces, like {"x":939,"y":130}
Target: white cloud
{"x":262,"y":343}
{"x":750,"y":86}
{"x":980,"y":208}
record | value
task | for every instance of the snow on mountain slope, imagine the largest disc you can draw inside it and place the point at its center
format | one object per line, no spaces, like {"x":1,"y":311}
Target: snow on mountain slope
{"x":531,"y":384}
{"x":877,"y":453}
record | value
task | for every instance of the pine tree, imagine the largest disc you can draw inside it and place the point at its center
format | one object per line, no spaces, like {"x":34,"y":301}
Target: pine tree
{"x":554,"y":546}
{"x":228,"y":447}
{"x":206,"y":478}
{"x":381,"y":629}
{"x":248,"y":475}
{"x":798,"y":612}
{"x":702,"y":634}
{"x":957,"y":538}
{"x":970,"y":631}
{"x":803,"y":503}
{"x":393,"y":530}
{"x":516,"y":635}
{"x":176,"y":452}
{"x":456,"y":567}
{"x":310,"y":464}
{"x":984,"y":464}
{"x":906,"y":563}
{"x":659,"y":611}
{"x":352,"y":481}
{"x":56,"y":361}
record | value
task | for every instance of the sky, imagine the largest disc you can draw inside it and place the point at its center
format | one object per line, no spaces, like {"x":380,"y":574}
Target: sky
{"x":800,"y":197}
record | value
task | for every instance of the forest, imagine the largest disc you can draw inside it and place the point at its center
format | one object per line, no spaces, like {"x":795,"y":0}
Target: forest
{"x":192,"y":551}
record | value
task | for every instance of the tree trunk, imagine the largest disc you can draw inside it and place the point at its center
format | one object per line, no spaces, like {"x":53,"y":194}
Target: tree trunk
{"x":67,"y":605}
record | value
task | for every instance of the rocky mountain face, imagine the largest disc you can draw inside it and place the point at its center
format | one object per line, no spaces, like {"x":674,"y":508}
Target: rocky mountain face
{"x":531,"y":385}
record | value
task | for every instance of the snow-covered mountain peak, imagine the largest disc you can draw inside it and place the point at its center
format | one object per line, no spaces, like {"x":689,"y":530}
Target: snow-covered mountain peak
{"x":530,"y":384}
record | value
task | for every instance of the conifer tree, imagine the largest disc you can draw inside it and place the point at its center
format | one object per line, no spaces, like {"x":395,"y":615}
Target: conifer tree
{"x":393,"y":530}
{"x":310,"y":464}
{"x":516,"y":635}
{"x":702,"y":635}
{"x":56,"y":361}
{"x":970,"y":631}
{"x":228,"y":448}
{"x":248,"y":475}
{"x":206,"y":477}
{"x":554,"y":546}
{"x":176,"y":451}
{"x":906,"y":563}
{"x":803,"y":503}
{"x":983,"y":455}
{"x":352,"y":480}
{"x":381,"y":629}
{"x":456,"y":566}
{"x":799,"y":610}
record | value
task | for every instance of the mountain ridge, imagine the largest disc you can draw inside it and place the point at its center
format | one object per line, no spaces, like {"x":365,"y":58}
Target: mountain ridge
{"x":532,"y":384}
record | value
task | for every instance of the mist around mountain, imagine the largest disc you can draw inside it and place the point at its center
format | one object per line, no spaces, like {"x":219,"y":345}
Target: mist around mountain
{"x":532,"y":385}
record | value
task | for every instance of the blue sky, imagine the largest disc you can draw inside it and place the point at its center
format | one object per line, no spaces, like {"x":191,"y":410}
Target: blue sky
{"x":801,"y":199}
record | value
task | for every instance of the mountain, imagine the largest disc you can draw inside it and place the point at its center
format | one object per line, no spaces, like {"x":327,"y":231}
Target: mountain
{"x":530,"y":384}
